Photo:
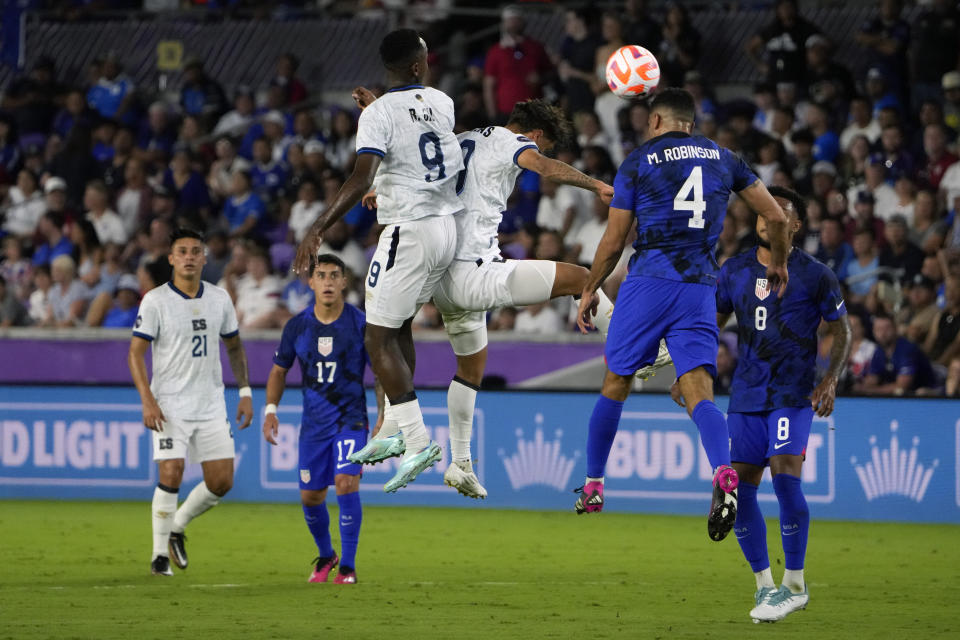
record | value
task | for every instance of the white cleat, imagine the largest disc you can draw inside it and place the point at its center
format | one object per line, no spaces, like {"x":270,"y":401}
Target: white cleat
{"x":778,"y":604}
{"x":663,"y":359}
{"x":461,"y":477}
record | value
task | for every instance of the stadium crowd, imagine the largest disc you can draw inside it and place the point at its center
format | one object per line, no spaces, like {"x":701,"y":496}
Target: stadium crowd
{"x":94,"y":175}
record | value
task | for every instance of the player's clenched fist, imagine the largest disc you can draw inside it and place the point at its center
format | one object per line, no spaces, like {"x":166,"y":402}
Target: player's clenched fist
{"x":270,"y":428}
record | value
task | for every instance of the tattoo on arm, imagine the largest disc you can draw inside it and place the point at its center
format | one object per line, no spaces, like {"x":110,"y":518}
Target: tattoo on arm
{"x":840,"y":351}
{"x":238,"y":361}
{"x":562,"y":173}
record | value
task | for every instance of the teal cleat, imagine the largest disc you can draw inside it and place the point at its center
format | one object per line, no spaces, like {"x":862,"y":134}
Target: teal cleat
{"x":777,"y":605}
{"x":379,"y":449}
{"x":412,"y":466}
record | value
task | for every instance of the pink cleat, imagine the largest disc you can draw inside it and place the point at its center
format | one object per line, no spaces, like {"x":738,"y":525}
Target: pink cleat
{"x":591,"y":498}
{"x":723,"y":506}
{"x":350,"y":577}
{"x":323,"y":568}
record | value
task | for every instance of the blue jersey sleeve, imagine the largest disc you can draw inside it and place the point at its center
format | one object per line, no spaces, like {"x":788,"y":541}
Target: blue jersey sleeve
{"x":830,"y":296}
{"x":877,"y":363}
{"x":743,"y":176}
{"x":286,"y":353}
{"x":625,"y":185}
{"x":724,"y":300}
{"x":906,"y":360}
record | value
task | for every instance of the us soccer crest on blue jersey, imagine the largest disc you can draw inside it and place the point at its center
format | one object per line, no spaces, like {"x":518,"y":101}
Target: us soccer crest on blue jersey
{"x":776,"y":363}
{"x":678,"y":186}
{"x":332,"y":361}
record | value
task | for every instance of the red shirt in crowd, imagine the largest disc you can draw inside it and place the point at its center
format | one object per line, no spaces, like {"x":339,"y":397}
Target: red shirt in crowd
{"x":513,"y":67}
{"x":933,"y":173}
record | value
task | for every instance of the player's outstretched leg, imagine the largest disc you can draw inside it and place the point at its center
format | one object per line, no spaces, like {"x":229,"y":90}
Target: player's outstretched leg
{"x":604,"y":422}
{"x":163,"y":507}
{"x":318,"y":522}
{"x":388,"y":443}
{"x":470,"y":347}
{"x":351,"y":517}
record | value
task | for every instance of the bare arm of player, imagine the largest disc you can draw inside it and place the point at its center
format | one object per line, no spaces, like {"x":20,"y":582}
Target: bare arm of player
{"x":363,"y":97}
{"x":276,"y":383}
{"x":562,"y":173}
{"x":825,"y":393}
{"x":759,"y":199}
{"x":381,"y":405}
{"x":238,"y":364}
{"x":350,"y":193}
{"x":605,"y":260}
{"x":153,"y":418}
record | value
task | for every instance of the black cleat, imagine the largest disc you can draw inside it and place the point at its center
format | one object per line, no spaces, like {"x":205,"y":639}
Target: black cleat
{"x":161,"y":566}
{"x":723,"y":506}
{"x":178,"y":552}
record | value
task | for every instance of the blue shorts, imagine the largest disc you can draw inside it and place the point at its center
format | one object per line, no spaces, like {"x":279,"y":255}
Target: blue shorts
{"x":648,"y":309}
{"x":756,"y":437}
{"x":322,"y":460}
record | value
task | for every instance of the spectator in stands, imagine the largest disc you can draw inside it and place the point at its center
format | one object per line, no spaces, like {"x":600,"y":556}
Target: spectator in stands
{"x":936,"y":35}
{"x":938,"y":157}
{"x":809,"y":237}
{"x":187,"y":185}
{"x":32,"y":98}
{"x":24,"y":205}
{"x":15,"y":268}
{"x":74,"y":111}
{"x":585,"y":241}
{"x":853,"y":167}
{"x":286,"y":78}
{"x":801,"y":165}
{"x":236,"y":121}
{"x":305,"y":210}
{"x":244,"y":209}
{"x":157,"y":136}
{"x":55,"y":244}
{"x":313,"y":155}
{"x":607,"y":105}
{"x":781,"y":123}
{"x":824,"y":178}
{"x":267,"y":175}
{"x":952,"y":385}
{"x":864,"y":217}
{"x":561,"y":208}
{"x":862,"y":123}
{"x":296,"y":296}
{"x":834,"y":251}
{"x":118,"y":310}
{"x":122,"y":146}
{"x":76,"y":165}
{"x":102,"y":137}
{"x":828,"y":82}
{"x":749,"y":138}
{"x":951,"y":94}
{"x":201,"y":95}
{"x":220,"y":176}
{"x":38,"y":304}
{"x":12,"y":311}
{"x":639,"y":26}
{"x":257,"y":293}
{"x":341,"y":144}
{"x":540,"y":319}
{"x":515,"y":68}
{"x":826,"y":143}
{"x":943,"y":338}
{"x":777,"y":50}
{"x":919,"y":312}
{"x":577,"y":56}
{"x":861,"y":350}
{"x":218,"y":255}
{"x":875,"y":184}
{"x":67,"y":298}
{"x":337,"y":241}
{"x":898,"y":365}
{"x":133,"y":200}
{"x":900,"y":254}
{"x":87,"y":254}
{"x":635,"y":133}
{"x":927,"y":232}
{"x":897,"y":158}
{"x":107,"y":223}
{"x":114,"y":93}
{"x":679,"y":49}
{"x":886,"y":38}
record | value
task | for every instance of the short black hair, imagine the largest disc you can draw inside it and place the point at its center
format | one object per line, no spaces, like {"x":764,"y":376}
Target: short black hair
{"x":185,"y":232}
{"x":679,"y":102}
{"x":400,"y":48}
{"x":537,"y":114}
{"x":327,"y":258}
{"x":799,"y":204}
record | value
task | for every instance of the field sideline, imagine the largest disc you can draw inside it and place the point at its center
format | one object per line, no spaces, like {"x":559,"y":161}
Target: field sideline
{"x":80,"y":570}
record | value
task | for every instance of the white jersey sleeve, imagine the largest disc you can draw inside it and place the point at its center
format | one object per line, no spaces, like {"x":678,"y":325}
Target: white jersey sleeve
{"x":411,"y":128}
{"x":229,"y":326}
{"x":490,"y":156}
{"x":147,"y":325}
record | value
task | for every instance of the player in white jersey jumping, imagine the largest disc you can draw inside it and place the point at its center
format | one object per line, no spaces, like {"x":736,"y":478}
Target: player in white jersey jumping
{"x":183,"y":320}
{"x":479,"y":279}
{"x":407,"y":149}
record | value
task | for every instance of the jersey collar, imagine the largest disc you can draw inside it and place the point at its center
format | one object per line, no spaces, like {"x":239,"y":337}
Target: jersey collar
{"x":183,"y":295}
{"x":405,"y":88}
{"x":670,"y":134}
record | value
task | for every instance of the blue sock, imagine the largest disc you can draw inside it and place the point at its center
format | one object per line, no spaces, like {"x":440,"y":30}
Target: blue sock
{"x":351,"y":515}
{"x":318,"y":521}
{"x":794,"y":520}
{"x":603,"y":428}
{"x":750,"y":529}
{"x":714,"y":434}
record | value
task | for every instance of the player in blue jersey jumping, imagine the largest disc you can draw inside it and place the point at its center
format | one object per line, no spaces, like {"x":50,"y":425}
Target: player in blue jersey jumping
{"x":773,"y":398}
{"x":327,"y":339}
{"x":676,"y":187}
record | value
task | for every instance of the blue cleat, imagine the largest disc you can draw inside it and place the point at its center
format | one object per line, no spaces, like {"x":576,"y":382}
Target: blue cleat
{"x":412,"y":466}
{"x":379,"y":449}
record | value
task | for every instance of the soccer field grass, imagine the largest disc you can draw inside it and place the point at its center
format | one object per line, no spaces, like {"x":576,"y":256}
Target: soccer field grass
{"x":80,"y":570}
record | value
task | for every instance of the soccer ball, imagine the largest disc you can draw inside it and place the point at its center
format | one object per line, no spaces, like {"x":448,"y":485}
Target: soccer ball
{"x":632,"y":72}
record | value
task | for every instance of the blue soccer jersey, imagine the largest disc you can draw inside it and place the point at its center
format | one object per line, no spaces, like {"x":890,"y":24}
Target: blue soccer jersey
{"x":777,"y":336}
{"x":332,"y":359}
{"x":678,"y":186}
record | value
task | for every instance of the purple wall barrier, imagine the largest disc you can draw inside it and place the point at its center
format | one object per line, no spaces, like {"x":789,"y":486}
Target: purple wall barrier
{"x":101,"y":358}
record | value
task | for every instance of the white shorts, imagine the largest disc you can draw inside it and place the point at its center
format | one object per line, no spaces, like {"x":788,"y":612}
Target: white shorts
{"x":467,"y":291}
{"x":406,"y":268}
{"x":202,"y":439}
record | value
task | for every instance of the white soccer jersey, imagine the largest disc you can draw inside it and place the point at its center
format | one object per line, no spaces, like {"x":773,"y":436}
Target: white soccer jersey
{"x":411,"y":128}
{"x":185,"y":333}
{"x":490,"y":155}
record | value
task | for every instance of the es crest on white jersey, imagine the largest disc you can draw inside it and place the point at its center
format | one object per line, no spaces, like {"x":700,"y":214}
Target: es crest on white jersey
{"x":325,"y":345}
{"x":762,"y":290}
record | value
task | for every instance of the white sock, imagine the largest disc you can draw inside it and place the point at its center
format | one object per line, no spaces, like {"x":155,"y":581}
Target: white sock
{"x":198,"y":502}
{"x":164,"y":506}
{"x":600,"y":480}
{"x":390,"y":426}
{"x":764,"y":578}
{"x":410,"y":419}
{"x":461,"y":400}
{"x":793,"y":580}
{"x":604,"y":312}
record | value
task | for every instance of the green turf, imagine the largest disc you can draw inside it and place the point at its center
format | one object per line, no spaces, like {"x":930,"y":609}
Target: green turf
{"x":80,"y":570}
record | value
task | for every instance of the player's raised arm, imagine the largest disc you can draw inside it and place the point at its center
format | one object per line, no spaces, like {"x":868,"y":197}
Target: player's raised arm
{"x":350,"y":193}
{"x":562,"y":173}
{"x":276,"y":383}
{"x":153,"y":418}
{"x":759,"y":199}
{"x":606,"y":258}
{"x":238,"y":364}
